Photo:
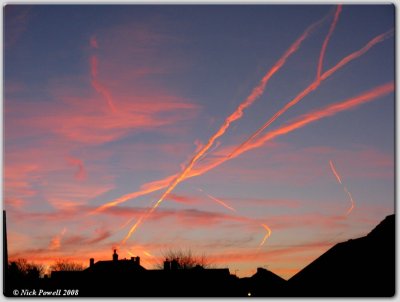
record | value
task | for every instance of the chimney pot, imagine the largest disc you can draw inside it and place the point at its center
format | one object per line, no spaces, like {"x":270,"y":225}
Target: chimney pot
{"x":115,"y":256}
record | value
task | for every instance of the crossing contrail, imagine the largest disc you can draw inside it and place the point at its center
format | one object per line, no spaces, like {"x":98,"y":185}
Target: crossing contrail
{"x":316,"y":84}
{"x":237,"y":114}
{"x":327,"y":38}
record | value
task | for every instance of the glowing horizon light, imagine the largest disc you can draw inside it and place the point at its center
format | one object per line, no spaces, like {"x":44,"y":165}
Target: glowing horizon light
{"x":112,"y":126}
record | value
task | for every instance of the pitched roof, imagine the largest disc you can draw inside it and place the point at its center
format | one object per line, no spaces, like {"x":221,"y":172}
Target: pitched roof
{"x":111,"y":266}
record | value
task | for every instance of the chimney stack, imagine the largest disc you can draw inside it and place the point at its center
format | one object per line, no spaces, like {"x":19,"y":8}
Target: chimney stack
{"x":115,"y":256}
{"x":174,"y":264}
{"x":167,"y":265}
{"x":91,"y":262}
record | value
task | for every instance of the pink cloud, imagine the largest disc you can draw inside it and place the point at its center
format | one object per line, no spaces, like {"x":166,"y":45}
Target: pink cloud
{"x":182,"y":198}
{"x":81,"y":120}
{"x":55,"y":242}
{"x":17,"y":182}
{"x":15,"y":203}
{"x":80,"y":174}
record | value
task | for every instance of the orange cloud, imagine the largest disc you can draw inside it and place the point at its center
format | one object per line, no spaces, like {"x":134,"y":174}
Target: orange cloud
{"x":55,"y":242}
{"x":182,"y":198}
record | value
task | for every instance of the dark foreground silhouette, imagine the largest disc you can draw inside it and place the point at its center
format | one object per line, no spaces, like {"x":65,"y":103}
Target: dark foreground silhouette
{"x":357,"y":268}
{"x":363,"y":267}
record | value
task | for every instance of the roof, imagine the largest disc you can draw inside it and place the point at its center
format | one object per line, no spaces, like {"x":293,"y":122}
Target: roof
{"x":119,"y":266}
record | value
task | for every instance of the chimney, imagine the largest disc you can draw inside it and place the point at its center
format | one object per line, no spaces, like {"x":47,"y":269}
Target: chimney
{"x":91,"y":262}
{"x":115,"y":256}
{"x":167,"y":265}
{"x":174,"y":264}
{"x":138,"y":260}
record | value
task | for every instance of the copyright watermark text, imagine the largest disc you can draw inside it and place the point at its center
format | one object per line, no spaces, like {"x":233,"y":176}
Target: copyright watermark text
{"x":43,"y":292}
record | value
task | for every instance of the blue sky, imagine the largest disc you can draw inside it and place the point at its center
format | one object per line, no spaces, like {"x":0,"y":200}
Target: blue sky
{"x":101,"y":101}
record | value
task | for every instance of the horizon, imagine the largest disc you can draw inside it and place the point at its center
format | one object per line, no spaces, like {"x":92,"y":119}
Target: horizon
{"x":189,"y":257}
{"x":135,"y":127}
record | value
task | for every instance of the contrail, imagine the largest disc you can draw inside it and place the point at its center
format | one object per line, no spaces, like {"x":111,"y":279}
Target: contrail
{"x":134,"y":227}
{"x":305,"y":120}
{"x":299,"y":123}
{"x":125,"y":224}
{"x":351,"y":200}
{"x":147,"y":254}
{"x":343,"y":62}
{"x":316,"y":83}
{"x":164,"y":182}
{"x":237,"y":114}
{"x":335,"y":172}
{"x":344,"y":187}
{"x":267,"y":235}
{"x":145,"y":189}
{"x":327,"y":111}
{"x":257,"y":91}
{"x":216,"y":146}
{"x":327,"y":38}
{"x":218,"y":201}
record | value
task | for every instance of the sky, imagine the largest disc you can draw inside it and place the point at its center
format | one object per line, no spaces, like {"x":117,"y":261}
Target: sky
{"x":135,"y":127}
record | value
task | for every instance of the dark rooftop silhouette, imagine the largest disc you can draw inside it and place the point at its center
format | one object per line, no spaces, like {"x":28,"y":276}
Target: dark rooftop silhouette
{"x":357,"y":268}
{"x":361,"y":267}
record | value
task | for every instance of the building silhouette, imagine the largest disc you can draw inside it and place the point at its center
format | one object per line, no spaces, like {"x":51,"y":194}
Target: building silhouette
{"x":363,"y":267}
{"x":126,"y":278}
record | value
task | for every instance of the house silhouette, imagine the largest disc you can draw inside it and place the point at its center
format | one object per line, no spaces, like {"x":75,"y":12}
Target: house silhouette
{"x":127,"y":278}
{"x":362,"y":267}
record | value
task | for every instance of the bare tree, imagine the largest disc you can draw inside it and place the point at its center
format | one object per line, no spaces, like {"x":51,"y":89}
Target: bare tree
{"x":66,"y":265}
{"x":23,"y":269}
{"x":185,"y":259}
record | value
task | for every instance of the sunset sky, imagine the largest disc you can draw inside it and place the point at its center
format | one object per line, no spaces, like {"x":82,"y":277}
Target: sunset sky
{"x":127,"y":127}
